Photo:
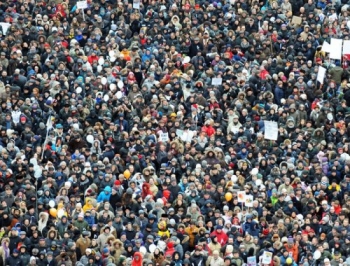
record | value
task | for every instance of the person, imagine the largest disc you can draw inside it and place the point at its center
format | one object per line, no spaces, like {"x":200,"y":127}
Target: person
{"x":184,"y":132}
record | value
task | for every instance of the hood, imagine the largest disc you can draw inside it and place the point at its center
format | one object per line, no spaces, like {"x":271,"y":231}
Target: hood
{"x":162,"y":225}
{"x":116,"y":243}
{"x":45,"y":216}
{"x":137,"y":259}
{"x":145,"y":186}
{"x":173,"y":19}
{"x":318,"y":130}
{"x":50,"y":231}
{"x":108,"y":189}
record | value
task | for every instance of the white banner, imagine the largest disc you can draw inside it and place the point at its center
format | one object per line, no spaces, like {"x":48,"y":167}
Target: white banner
{"x":271,"y":130}
{"x":336,"y":49}
{"x":346,"y":47}
{"x":326,"y":47}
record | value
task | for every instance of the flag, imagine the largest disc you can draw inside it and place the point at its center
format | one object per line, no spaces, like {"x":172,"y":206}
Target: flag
{"x":49,"y":123}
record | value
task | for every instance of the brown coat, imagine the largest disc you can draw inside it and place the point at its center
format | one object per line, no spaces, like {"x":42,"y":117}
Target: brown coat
{"x":158,"y":260}
{"x":82,"y":244}
{"x":118,"y":249}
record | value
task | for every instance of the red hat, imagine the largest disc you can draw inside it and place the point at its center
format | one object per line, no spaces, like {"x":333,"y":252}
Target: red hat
{"x":318,"y":60}
{"x":266,"y":232}
{"x":117,"y":183}
{"x":166,"y":194}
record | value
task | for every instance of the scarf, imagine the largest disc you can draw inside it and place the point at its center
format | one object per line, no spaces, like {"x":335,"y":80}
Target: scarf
{"x":6,"y":250}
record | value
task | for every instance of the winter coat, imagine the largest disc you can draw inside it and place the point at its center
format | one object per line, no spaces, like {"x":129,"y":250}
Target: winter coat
{"x":103,"y":196}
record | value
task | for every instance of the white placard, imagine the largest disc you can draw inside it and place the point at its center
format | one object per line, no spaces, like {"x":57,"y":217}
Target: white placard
{"x":321,"y":74}
{"x":82,"y":5}
{"x":164,"y":137}
{"x":249,"y":200}
{"x":5,"y":26}
{"x":251,"y":261}
{"x":241,"y":196}
{"x":216,"y":81}
{"x":336,"y":49}
{"x":346,"y":47}
{"x":136,"y":4}
{"x":187,"y":135}
{"x":326,"y":47}
{"x":179,"y":133}
{"x":271,"y":130}
{"x":267,"y":257}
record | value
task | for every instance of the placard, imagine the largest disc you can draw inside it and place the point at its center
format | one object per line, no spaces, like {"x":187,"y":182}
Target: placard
{"x":185,"y":135}
{"x":5,"y":26}
{"x":82,"y":5}
{"x":241,"y":196}
{"x":321,"y":74}
{"x":251,"y":261}
{"x":271,"y":130}
{"x":326,"y":47}
{"x":216,"y":81}
{"x":164,"y":137}
{"x":249,"y":200}
{"x":346,"y":47}
{"x":267,"y":257}
{"x":297,"y":20}
{"x":136,"y":4}
{"x":336,"y":49}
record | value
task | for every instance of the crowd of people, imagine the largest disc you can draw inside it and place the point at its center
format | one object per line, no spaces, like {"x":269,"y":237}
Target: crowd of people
{"x":133,"y":133}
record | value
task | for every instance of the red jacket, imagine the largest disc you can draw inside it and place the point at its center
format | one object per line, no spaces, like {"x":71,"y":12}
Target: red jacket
{"x":92,"y":59}
{"x":222,"y":237}
{"x":170,"y":249}
{"x":209,"y":130}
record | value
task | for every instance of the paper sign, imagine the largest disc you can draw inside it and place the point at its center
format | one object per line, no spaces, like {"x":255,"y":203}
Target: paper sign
{"x":346,"y":47}
{"x":251,"y":261}
{"x":271,"y":130}
{"x":326,"y":47}
{"x":321,"y":74}
{"x":336,"y":49}
{"x":5,"y":26}
{"x":296,"y":20}
{"x":136,"y":4}
{"x":241,"y":196}
{"x":164,"y":137}
{"x":249,"y":200}
{"x":179,"y":133}
{"x":82,"y":5}
{"x":187,"y":136}
{"x":267,"y":257}
{"x":216,"y":81}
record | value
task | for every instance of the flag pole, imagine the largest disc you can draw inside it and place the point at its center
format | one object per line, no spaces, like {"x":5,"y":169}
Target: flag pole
{"x":48,"y":127}
{"x":42,"y":154}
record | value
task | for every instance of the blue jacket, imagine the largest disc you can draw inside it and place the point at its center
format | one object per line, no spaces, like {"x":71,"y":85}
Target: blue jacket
{"x":90,"y":220}
{"x":103,"y":196}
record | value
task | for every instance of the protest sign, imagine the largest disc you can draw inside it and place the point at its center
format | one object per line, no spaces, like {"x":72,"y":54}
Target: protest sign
{"x":271,"y":130}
